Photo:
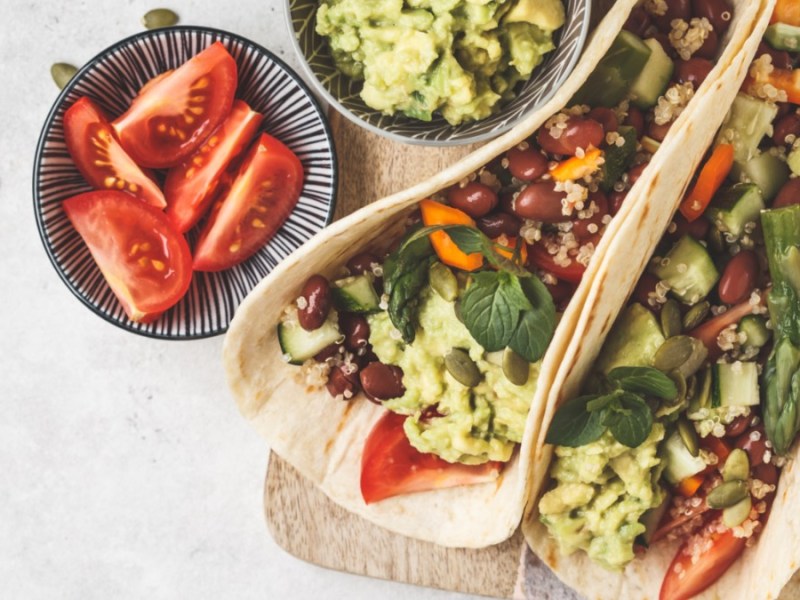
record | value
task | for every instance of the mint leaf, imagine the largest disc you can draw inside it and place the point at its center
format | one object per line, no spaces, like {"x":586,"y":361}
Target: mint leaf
{"x":644,"y":381}
{"x":490,"y":310}
{"x":469,"y":239}
{"x":537,"y":324}
{"x":631,"y":421}
{"x":574,"y":426}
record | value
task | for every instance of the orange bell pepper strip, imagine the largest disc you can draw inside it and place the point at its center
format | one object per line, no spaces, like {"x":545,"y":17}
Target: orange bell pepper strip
{"x":436,"y":213}
{"x":511,"y":242}
{"x":576,"y":168}
{"x":787,"y":80}
{"x":711,"y":176}
{"x":689,"y":486}
{"x":787,"y":12}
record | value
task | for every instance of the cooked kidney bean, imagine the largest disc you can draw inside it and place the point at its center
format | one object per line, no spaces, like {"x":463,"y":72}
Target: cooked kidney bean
{"x":659,"y":132}
{"x":382,"y":381}
{"x":362,"y":263}
{"x":341,"y":384}
{"x":737,"y":426}
{"x":755,"y":448}
{"x":527,"y":164}
{"x":786,"y":126}
{"x":638,"y":22}
{"x":356,"y":331}
{"x":697,"y":228}
{"x":606,"y":117}
{"x":560,"y":290}
{"x":739,"y":278}
{"x":718,"y":12}
{"x":579,"y":133}
{"x":635,"y":119}
{"x":710,"y":46}
{"x":317,"y":295}
{"x":500,"y":223}
{"x":540,"y":202}
{"x":636,"y":172}
{"x":780,"y":58}
{"x":327,"y":352}
{"x":580,"y":227}
{"x":694,"y":71}
{"x":476,"y":199}
{"x":768,"y":473}
{"x":676,"y":9}
{"x":788,"y":195}
{"x":615,"y":200}
{"x":645,"y":287}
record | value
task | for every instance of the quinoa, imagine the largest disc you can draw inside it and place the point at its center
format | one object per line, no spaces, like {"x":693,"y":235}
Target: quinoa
{"x":672,"y":103}
{"x":760,"y":69}
{"x":576,"y":195}
{"x":657,"y":8}
{"x":688,"y":38}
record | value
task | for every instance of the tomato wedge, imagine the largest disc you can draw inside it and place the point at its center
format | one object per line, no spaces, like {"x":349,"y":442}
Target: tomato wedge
{"x":146,"y":263}
{"x":391,"y":466}
{"x":685,"y":579}
{"x":539,"y":257}
{"x":262,"y":196}
{"x":99,"y":157}
{"x":175,"y":112}
{"x":190,"y":185}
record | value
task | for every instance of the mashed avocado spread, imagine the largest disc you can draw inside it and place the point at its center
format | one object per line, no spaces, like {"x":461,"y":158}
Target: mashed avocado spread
{"x":602,"y":490}
{"x":459,"y":57}
{"x":476,"y":424}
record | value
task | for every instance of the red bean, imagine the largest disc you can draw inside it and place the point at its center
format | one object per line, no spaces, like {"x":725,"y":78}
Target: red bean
{"x":694,"y":71}
{"x":356,"y":331}
{"x":580,"y":227}
{"x":676,"y":9}
{"x":737,"y":426}
{"x":362,"y":263}
{"x":768,"y":473}
{"x":780,"y":58}
{"x":788,"y":195}
{"x":638,"y":22}
{"x":615,"y":201}
{"x":645,"y":287}
{"x":755,"y":448}
{"x":635,"y":119}
{"x":786,"y":126}
{"x":710,"y":47}
{"x":476,"y":199}
{"x":500,"y":223}
{"x":382,"y":381}
{"x":327,"y":352}
{"x":560,"y":290}
{"x":697,"y":228}
{"x":635,"y":172}
{"x":579,"y":133}
{"x":739,"y":278}
{"x":540,"y":202}
{"x":718,"y":12}
{"x":316,"y":293}
{"x":659,"y":132}
{"x":527,"y":164}
{"x":342,"y":384}
{"x":606,"y":117}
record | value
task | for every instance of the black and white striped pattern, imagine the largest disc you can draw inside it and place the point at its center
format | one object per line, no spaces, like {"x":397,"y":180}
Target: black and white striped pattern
{"x":343,"y":93}
{"x":112,"y":80}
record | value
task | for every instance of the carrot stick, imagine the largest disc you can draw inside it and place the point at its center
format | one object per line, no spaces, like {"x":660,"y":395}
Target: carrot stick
{"x":711,"y":177}
{"x":576,"y":168}
{"x":689,"y":486}
{"x":436,"y":213}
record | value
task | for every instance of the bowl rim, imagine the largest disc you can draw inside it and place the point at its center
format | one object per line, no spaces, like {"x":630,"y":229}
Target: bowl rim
{"x":79,"y":75}
{"x":462,"y":141}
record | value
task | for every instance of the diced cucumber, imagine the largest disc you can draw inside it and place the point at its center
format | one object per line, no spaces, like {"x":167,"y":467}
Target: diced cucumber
{"x":750,"y":119}
{"x":652,"y":519}
{"x":793,"y":160}
{"x":618,"y":158}
{"x":735,"y":384}
{"x":767,"y":171}
{"x":654,"y":79}
{"x":735,"y":207}
{"x":678,"y":461}
{"x":783,"y":37}
{"x":688,"y":270}
{"x":299,"y":345}
{"x":615,"y":73}
{"x":355,"y":294}
{"x":755,"y":328}
{"x":633,"y":341}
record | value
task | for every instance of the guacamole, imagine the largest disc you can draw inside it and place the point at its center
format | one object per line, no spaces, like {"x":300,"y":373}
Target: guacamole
{"x":458,"y":57}
{"x":602,"y":490}
{"x":476,"y":424}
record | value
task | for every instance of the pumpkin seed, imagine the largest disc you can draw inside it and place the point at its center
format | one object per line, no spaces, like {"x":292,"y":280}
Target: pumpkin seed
{"x":695,"y":315}
{"x":463,"y":369}
{"x":673,"y":353}
{"x":695,"y":360}
{"x":703,"y":397}
{"x":671,"y":319}
{"x":727,"y":494}
{"x":515,"y":368}
{"x":737,"y":466}
{"x":443,"y":281}
{"x":158,"y":18}
{"x":737,"y":514}
{"x":689,"y":437}
{"x":62,"y":73}
{"x":457,"y":311}
{"x":680,"y":382}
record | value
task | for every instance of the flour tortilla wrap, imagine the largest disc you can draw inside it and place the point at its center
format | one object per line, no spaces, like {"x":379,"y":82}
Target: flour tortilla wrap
{"x":323,"y":438}
{"x":763,"y":570}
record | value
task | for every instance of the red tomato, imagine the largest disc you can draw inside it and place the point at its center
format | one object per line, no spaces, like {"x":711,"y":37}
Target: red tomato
{"x":261,"y":197}
{"x":175,"y":112}
{"x":539,"y":257}
{"x":685,"y":579}
{"x":146,"y":263}
{"x":99,"y":157}
{"x":391,"y":466}
{"x":190,"y":185}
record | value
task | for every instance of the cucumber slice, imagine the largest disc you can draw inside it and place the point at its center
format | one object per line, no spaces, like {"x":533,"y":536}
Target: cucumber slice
{"x":735,"y":384}
{"x":299,"y":345}
{"x":735,"y":207}
{"x":793,"y":161}
{"x":688,"y":269}
{"x":783,"y":37}
{"x":654,"y":78}
{"x":678,"y":461}
{"x":618,"y":158}
{"x":755,"y":328}
{"x":750,"y":119}
{"x":768,"y":172}
{"x":355,"y":294}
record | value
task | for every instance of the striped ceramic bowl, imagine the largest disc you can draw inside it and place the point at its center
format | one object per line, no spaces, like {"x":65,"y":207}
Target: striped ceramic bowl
{"x":112,"y":79}
{"x":344,"y":93}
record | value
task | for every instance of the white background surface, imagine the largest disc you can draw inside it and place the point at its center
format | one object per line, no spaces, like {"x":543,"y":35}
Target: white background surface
{"x":125,"y":469}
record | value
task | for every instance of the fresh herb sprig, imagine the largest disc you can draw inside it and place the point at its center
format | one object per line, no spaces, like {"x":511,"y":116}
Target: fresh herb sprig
{"x":623,"y":410}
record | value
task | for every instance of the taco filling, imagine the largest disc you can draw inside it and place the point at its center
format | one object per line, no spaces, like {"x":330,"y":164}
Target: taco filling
{"x":683,"y":427}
